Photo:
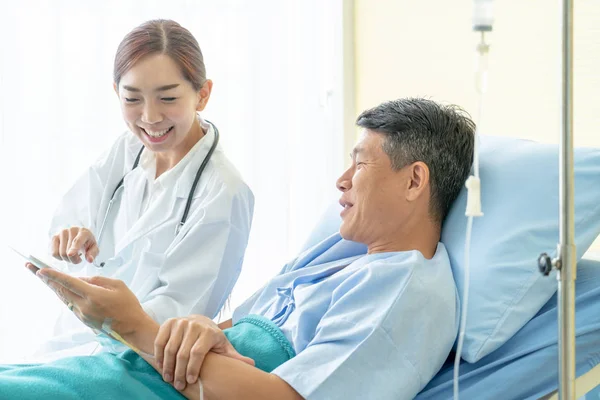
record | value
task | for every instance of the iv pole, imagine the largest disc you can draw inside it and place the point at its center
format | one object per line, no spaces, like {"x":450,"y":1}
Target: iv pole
{"x":565,"y":262}
{"x":566,"y":249}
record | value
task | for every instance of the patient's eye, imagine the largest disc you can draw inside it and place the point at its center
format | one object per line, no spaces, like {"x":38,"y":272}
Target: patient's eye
{"x":169,"y":99}
{"x":131,"y":100}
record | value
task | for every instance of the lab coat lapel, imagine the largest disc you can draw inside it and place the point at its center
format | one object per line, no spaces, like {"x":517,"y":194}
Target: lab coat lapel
{"x":186,"y":181}
{"x":159,"y":211}
{"x":134,"y":185}
{"x":157,"y":214}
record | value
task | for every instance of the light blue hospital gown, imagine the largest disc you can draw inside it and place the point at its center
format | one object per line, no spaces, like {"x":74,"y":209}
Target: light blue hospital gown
{"x":373,"y":326}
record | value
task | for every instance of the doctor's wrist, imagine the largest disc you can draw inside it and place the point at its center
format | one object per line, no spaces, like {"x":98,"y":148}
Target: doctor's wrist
{"x":142,"y":333}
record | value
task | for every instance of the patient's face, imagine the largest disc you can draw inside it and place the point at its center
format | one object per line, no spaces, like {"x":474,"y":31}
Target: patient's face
{"x":372,"y":192}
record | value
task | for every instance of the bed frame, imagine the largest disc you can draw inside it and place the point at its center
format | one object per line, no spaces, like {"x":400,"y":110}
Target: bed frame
{"x":584,"y":384}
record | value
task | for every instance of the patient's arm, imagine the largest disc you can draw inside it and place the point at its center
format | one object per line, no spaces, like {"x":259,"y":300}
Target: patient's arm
{"x":222,"y":377}
{"x":226,"y":378}
{"x":226,"y":324}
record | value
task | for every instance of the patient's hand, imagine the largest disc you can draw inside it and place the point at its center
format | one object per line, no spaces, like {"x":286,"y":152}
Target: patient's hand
{"x":182,"y":344}
{"x":97,"y":300}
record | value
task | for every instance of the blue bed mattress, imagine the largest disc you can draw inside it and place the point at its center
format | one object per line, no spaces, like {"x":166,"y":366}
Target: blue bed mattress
{"x":526,"y":367}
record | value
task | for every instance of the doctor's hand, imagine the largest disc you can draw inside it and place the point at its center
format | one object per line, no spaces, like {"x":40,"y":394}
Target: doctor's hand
{"x":67,"y":244}
{"x":97,"y":300}
{"x":182,"y":344}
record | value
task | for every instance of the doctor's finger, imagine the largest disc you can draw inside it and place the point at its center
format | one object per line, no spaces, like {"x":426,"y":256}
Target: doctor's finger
{"x":104,"y":282}
{"x":63,"y":242}
{"x":83,"y":239}
{"x":183,"y":358}
{"x":197,"y":355}
{"x":230,"y":351}
{"x":92,"y":252}
{"x":162,"y":337}
{"x":73,"y":251}
{"x":171,"y":350}
{"x":56,"y":246}
{"x":31,"y":267}
{"x":65,"y":295}
{"x":74,"y":259}
{"x":71,"y":283}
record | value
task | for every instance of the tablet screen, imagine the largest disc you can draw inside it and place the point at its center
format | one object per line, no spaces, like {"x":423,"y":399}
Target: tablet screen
{"x":34,"y":260}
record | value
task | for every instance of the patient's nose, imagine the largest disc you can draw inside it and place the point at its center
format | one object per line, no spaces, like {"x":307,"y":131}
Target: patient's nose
{"x":344,"y":182}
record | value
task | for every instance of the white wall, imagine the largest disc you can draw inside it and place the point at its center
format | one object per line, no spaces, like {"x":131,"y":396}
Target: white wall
{"x":427,"y":48}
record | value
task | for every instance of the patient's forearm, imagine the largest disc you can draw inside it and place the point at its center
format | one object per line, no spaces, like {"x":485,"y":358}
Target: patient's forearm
{"x":227,"y":378}
{"x":143,"y":339}
{"x":222,"y":377}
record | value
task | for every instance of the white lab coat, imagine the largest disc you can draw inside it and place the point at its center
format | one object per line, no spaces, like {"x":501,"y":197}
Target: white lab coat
{"x":172,"y":276}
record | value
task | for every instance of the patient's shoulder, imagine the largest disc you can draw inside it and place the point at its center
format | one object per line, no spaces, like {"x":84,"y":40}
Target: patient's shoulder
{"x":409,"y":266}
{"x":397,"y":285}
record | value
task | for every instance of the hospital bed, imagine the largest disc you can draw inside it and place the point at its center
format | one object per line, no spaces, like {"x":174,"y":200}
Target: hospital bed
{"x":526,"y":366}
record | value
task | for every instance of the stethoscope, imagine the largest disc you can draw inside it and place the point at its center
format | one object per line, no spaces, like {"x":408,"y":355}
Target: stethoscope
{"x":190,"y":195}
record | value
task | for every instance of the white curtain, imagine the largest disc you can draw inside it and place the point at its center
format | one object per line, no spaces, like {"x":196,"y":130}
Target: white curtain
{"x":276,"y":67}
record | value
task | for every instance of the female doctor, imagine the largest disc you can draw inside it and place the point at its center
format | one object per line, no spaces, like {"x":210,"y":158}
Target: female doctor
{"x":163,"y":210}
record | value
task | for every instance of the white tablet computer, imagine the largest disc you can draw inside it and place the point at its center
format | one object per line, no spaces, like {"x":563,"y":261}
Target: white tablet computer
{"x":34,"y":260}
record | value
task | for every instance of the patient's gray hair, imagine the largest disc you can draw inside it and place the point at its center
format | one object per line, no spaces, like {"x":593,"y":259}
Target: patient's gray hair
{"x":441,"y":136}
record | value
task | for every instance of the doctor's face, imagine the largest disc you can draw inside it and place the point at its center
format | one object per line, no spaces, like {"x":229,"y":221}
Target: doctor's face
{"x":373,"y":193}
{"x":159,"y":105}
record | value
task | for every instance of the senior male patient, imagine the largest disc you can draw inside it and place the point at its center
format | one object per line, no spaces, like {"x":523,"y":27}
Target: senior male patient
{"x":377,"y":325}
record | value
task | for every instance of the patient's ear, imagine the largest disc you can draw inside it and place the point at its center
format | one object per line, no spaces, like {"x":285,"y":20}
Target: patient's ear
{"x":116,"y":88}
{"x":418,"y":180}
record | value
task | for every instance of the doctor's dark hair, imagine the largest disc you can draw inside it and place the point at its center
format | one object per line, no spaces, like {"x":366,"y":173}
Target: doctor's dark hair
{"x":441,"y":136}
{"x":162,"y":37}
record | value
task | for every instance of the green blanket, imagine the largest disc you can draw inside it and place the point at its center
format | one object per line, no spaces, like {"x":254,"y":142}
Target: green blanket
{"x":128,"y":376}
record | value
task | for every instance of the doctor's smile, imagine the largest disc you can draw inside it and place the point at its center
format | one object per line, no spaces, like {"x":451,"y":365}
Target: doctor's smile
{"x":157,"y":135}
